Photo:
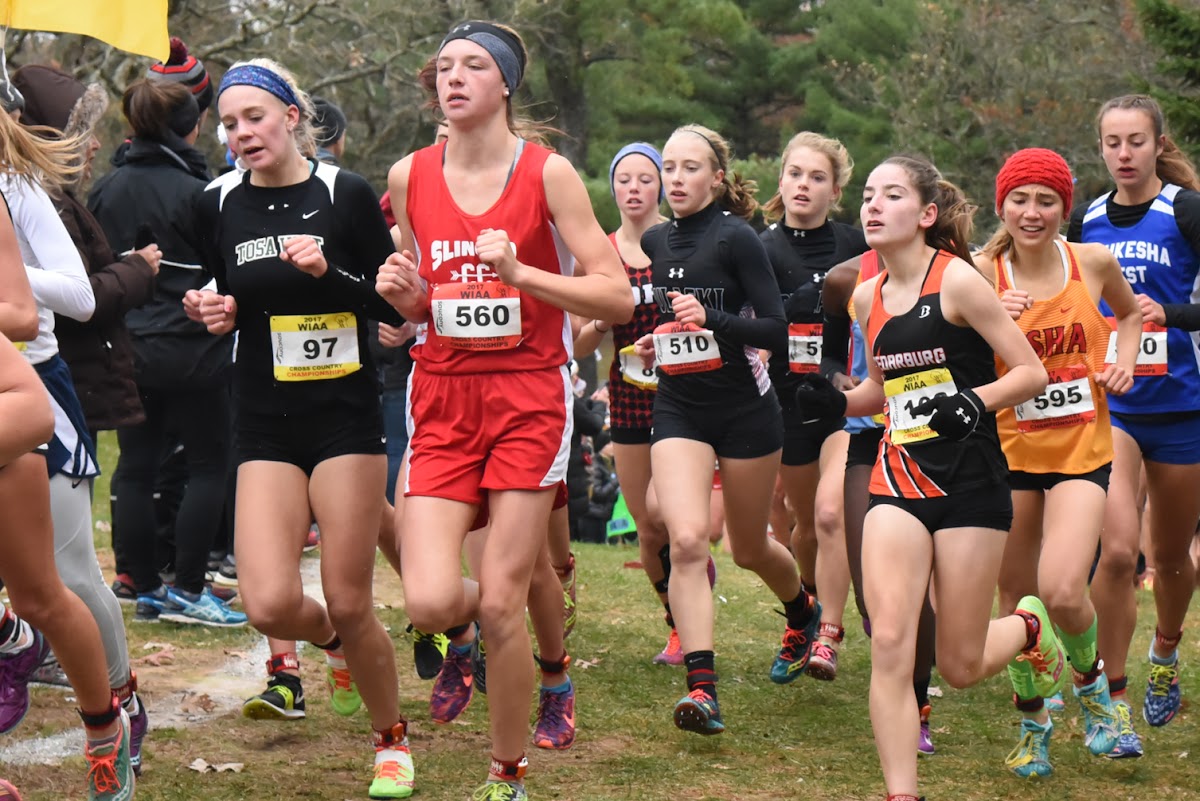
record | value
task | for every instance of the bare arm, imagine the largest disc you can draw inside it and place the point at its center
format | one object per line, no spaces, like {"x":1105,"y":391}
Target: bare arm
{"x":397,"y":280}
{"x":867,"y":398}
{"x":600,"y":289}
{"x":26,"y":420}
{"x":18,"y":311}
{"x":1106,"y":281}
{"x":968,"y":299}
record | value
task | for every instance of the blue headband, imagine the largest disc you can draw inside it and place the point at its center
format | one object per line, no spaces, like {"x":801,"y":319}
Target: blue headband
{"x":501,"y":45}
{"x":638,"y":149}
{"x":260,"y":78}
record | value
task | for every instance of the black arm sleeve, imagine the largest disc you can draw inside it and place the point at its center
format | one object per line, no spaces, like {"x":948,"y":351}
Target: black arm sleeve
{"x":1182,"y":315}
{"x":370,"y":244}
{"x":1075,"y":225}
{"x":768,"y":328}
{"x":1187,"y":217}
{"x":835,"y":344}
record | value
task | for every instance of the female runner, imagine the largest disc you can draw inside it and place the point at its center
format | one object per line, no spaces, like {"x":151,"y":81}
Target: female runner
{"x":495,"y":220}
{"x":1151,"y":223}
{"x":1058,"y":445}
{"x":294,"y":244}
{"x":719,"y":305}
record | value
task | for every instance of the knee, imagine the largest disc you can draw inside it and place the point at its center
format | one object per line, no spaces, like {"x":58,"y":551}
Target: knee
{"x":749,"y":557}
{"x":501,"y":613}
{"x":689,"y":547}
{"x":1119,"y":557}
{"x":37,"y":605}
{"x":828,"y":521}
{"x":889,"y":645}
{"x":1062,"y":602}
{"x":268,"y":614}
{"x":348,"y":610}
{"x":431,"y":612}
{"x":959,"y":671}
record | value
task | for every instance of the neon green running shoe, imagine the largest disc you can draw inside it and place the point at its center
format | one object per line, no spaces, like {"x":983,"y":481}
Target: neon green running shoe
{"x":1046,"y":659}
{"x":1031,"y":757}
{"x":343,"y":692}
{"x":394,"y":775}
{"x":500,"y":791}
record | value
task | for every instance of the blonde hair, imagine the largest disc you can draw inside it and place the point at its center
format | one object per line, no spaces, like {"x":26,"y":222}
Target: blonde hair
{"x":1172,"y":166}
{"x":832,"y":149}
{"x":736,"y":194}
{"x":304,"y":134}
{"x":39,"y":154}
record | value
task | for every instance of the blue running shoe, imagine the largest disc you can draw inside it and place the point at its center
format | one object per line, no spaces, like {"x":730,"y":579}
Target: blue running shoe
{"x":1100,"y":726}
{"x":698,"y":711}
{"x":205,"y":610}
{"x":1031,"y":757}
{"x":797,"y":649}
{"x":1055,"y":704}
{"x":1163,"y":697}
{"x":1129,"y":745}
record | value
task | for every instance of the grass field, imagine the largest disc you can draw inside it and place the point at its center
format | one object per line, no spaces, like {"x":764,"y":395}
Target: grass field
{"x":806,"y":740}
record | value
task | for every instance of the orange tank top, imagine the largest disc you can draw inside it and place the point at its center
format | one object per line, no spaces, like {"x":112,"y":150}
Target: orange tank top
{"x":1065,"y":429}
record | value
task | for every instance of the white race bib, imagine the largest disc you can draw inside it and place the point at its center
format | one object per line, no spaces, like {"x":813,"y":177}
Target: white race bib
{"x":314,"y":347}
{"x":685,"y":348}
{"x":1067,"y":401}
{"x":907,"y":392}
{"x":1152,"y":350}
{"x":804,"y":347}
{"x":633,"y":371}
{"x":477,"y":316}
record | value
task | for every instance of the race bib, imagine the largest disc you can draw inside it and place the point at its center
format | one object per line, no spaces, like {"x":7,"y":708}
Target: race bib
{"x":314,"y":347}
{"x":804,"y":347}
{"x":633,"y":371}
{"x":907,"y":392}
{"x":478,"y":316}
{"x":1067,"y":401}
{"x":681,"y":348}
{"x":1152,"y":351}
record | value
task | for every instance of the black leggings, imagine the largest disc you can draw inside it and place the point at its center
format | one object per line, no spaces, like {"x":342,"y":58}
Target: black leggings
{"x":199,"y":418}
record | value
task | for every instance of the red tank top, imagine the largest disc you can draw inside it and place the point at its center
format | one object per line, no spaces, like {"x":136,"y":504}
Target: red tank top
{"x":477,"y":324}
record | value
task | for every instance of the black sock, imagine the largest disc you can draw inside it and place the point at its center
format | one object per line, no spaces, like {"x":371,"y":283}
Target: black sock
{"x":457,"y":631}
{"x":1117,"y":685}
{"x":799,"y":610}
{"x":921,"y":690}
{"x":701,"y":672}
{"x":333,"y":645}
{"x":670,"y":620}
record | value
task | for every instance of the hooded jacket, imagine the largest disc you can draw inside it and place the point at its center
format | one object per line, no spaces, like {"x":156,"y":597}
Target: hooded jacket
{"x":156,"y":184}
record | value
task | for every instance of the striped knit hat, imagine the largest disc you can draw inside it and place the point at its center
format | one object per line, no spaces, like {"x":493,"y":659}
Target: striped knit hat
{"x":182,"y":67}
{"x":1035,"y":165}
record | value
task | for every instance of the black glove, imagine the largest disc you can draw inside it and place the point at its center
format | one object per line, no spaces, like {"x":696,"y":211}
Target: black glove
{"x":954,"y":416}
{"x":817,"y":399}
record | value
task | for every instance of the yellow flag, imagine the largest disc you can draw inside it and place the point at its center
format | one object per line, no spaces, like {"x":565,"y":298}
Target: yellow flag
{"x":139,"y":26}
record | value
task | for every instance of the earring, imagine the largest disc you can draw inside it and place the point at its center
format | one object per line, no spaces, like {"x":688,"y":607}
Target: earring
{"x":506,"y":93}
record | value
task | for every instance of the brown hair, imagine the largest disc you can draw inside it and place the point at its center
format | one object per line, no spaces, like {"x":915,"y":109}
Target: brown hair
{"x":38,"y":155}
{"x":736,"y":194}
{"x":1173,"y":166}
{"x":952,"y":229}
{"x":832,"y":149}
{"x":148,"y":104}
{"x":520,"y":122}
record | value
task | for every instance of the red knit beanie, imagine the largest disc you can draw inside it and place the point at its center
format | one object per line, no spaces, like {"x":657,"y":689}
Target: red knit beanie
{"x":1035,"y":165}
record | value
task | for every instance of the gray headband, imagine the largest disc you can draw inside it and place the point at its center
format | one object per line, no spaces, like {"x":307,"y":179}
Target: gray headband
{"x":498,"y":43}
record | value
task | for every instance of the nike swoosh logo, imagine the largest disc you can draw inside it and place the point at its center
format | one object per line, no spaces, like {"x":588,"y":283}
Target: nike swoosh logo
{"x":311,"y":213}
{"x":1065,"y":310}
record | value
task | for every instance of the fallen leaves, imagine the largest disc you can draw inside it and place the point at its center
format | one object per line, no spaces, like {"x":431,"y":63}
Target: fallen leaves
{"x":201,"y":766}
{"x":164,"y":654}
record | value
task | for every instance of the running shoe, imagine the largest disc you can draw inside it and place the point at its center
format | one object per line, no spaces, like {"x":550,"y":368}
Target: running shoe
{"x":214,"y":560}
{"x":453,"y":687}
{"x":428,"y":651}
{"x":1046,"y":660}
{"x":1031,"y":757}
{"x":924,"y":740}
{"x":50,"y":673}
{"x":1100,"y":726}
{"x":822,"y":665}
{"x":8,"y":792}
{"x":500,"y":791}
{"x":479,"y":662}
{"x":1163,"y":697}
{"x":226,"y":575}
{"x":15,"y":672}
{"x":204,"y":610}
{"x":139,"y":724}
{"x":698,"y":711}
{"x":1129,"y":745}
{"x":343,"y":692}
{"x":394,"y":775}
{"x":672,"y":652}
{"x":797,"y":648}
{"x":1055,"y":704}
{"x":110,"y":773}
{"x":313,"y":540}
{"x":223,"y":594}
{"x":123,"y":588}
{"x":282,"y":700}
{"x":555,"y":720}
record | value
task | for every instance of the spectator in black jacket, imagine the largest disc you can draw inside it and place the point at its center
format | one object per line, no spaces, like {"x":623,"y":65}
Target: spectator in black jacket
{"x":182,"y":371}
